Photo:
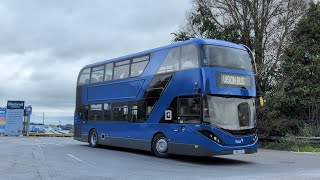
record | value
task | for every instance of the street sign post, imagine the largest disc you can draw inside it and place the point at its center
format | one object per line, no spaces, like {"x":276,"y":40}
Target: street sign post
{"x":28,"y":111}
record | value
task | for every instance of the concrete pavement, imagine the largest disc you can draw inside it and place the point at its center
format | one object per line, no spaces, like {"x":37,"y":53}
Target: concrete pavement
{"x":65,"y":158}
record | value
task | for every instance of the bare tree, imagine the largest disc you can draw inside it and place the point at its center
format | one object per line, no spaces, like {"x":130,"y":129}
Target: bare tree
{"x":263,"y":25}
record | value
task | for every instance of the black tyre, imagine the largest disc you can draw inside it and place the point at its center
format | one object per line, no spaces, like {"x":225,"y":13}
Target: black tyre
{"x":93,"y":138}
{"x":160,"y":146}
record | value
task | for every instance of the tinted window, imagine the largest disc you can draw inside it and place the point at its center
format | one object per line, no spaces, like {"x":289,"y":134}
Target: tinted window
{"x":85,"y":111}
{"x":84,"y":77}
{"x":244,"y":114}
{"x":150,"y":103}
{"x":138,"y":111}
{"x":138,"y":68}
{"x":143,"y":58}
{"x":120,"y":111}
{"x":122,"y":63}
{"x":189,"y":110}
{"x":95,"y":113}
{"x":171,"y":63}
{"x":189,"y":57}
{"x":108,"y":72}
{"x":97,"y":74}
{"x":227,"y":57}
{"x":107,"y":111}
{"x":121,"y":72}
{"x":189,"y":106}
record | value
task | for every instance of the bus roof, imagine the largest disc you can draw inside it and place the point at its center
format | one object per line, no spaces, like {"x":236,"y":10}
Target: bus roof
{"x":180,"y":43}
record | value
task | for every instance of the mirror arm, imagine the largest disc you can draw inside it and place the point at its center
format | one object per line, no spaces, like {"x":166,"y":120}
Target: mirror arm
{"x":254,"y":60}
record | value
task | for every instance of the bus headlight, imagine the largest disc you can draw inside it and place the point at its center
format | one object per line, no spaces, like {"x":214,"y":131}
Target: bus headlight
{"x":255,"y":137}
{"x":211,"y":136}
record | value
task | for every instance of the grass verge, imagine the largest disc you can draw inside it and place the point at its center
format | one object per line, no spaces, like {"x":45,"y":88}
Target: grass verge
{"x":290,"y":145}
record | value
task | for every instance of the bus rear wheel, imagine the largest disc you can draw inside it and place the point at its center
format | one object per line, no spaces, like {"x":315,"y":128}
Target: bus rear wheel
{"x":93,"y":138}
{"x":160,"y":146}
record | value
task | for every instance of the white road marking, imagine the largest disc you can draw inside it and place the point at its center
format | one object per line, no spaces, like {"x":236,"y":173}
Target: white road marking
{"x":75,"y":157}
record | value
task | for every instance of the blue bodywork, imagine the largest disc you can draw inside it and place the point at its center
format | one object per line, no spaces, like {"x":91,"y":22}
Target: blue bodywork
{"x":182,"y":83}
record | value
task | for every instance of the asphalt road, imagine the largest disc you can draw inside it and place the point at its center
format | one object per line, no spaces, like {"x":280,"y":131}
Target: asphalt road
{"x":65,"y":158}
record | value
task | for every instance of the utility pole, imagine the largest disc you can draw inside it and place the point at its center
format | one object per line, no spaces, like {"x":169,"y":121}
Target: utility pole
{"x":43,"y":118}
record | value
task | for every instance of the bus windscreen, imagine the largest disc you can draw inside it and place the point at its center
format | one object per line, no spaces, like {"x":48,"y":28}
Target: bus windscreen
{"x":220,"y":56}
{"x":231,"y":113}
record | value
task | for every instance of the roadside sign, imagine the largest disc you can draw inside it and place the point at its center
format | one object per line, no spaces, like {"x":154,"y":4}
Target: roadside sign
{"x":14,"y":118}
{"x":2,"y":119}
{"x":28,"y":110}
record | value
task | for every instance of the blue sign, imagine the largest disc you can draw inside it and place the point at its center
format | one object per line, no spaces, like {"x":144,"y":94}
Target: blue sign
{"x":14,"y":118}
{"x":2,"y":119}
{"x":15,"y":105}
{"x":28,"y":110}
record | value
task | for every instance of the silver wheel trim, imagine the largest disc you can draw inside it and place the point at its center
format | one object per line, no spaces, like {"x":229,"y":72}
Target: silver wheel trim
{"x":94,"y":138}
{"x":162,"y":145}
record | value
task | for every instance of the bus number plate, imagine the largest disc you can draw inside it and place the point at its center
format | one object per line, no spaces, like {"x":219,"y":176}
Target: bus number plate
{"x":240,"y":151}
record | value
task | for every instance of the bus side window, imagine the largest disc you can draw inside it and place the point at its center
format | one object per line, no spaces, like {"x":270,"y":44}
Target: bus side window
{"x":97,"y":74}
{"x":137,"y":111}
{"x":150,"y":103}
{"x":95,"y":112}
{"x":86,"y":113}
{"x":171,"y":63}
{"x":84,"y":77}
{"x":121,"y":69}
{"x":189,"y":109}
{"x":107,"y":112}
{"x":80,"y":111}
{"x":189,"y":57}
{"x":120,"y":111}
{"x":108,"y":72}
{"x":138,"y":65}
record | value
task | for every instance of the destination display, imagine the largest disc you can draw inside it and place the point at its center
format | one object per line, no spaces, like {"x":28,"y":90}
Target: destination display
{"x":234,"y":80}
{"x":2,"y":119}
{"x":14,"y":118}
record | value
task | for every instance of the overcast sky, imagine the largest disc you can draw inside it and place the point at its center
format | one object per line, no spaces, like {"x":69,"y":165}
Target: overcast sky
{"x":44,"y":44}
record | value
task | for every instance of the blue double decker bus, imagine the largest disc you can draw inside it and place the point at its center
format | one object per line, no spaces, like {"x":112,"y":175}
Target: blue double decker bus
{"x":195,"y":97}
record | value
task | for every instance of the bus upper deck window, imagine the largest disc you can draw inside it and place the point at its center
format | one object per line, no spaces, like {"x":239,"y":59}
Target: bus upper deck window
{"x":189,"y":57}
{"x":84,"y":77}
{"x":171,"y":62}
{"x":180,"y":58}
{"x":108,"y":72}
{"x":121,"y":70}
{"x":138,"y":65}
{"x":97,"y":74}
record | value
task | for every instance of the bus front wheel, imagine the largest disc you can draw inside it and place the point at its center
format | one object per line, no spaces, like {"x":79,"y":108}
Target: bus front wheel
{"x":93,"y":138}
{"x":160,"y":146}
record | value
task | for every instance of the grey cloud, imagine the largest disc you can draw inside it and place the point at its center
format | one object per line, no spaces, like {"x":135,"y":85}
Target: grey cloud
{"x":45,"y":43}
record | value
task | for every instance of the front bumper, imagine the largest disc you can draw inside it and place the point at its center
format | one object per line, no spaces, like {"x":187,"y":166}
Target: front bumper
{"x":197,"y":150}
